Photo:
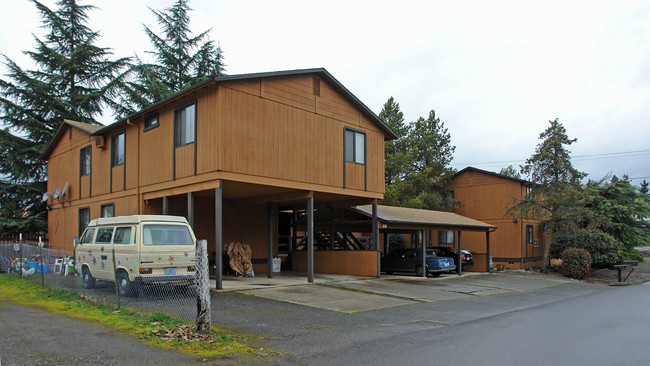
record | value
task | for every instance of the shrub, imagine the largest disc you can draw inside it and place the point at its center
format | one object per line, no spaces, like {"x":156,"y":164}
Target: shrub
{"x":604,"y":249}
{"x":575,"y":263}
{"x":631,"y":253}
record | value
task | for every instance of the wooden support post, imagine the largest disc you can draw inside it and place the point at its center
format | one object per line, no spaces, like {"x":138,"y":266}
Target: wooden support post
{"x":165,"y":204}
{"x":218,"y":230}
{"x":310,"y":238}
{"x":269,"y":240}
{"x":487,"y":252}
{"x":375,"y":234}
{"x":190,"y":208}
{"x":459,"y":267}
{"x":424,"y":253}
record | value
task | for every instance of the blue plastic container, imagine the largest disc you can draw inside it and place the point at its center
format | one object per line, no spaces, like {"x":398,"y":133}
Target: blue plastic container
{"x":31,"y":265}
{"x":44,"y":268}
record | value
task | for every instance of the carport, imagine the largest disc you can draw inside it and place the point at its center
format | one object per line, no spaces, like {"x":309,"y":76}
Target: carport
{"x":421,"y":223}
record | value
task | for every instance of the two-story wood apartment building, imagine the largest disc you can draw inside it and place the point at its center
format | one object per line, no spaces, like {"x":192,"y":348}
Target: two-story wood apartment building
{"x":230,"y":154}
{"x":486,"y":196}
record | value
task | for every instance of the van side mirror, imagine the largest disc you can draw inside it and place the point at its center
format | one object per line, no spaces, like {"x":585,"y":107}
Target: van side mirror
{"x":76,"y":241}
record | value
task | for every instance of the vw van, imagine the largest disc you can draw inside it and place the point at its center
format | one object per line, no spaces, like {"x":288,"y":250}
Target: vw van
{"x":148,"y":249}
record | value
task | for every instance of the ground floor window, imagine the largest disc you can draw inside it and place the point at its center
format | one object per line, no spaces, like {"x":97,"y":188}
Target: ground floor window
{"x":108,"y":210}
{"x":84,"y":218}
{"x":445,"y":237}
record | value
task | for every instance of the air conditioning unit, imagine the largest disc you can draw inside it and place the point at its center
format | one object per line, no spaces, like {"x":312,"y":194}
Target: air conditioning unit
{"x":100,"y":142}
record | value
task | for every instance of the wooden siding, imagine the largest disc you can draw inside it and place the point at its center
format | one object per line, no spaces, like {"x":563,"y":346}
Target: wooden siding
{"x":355,"y":176}
{"x":348,"y":262}
{"x":184,"y":160}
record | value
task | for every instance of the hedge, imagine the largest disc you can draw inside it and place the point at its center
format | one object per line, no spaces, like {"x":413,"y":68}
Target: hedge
{"x":576,"y":263}
{"x":604,"y":249}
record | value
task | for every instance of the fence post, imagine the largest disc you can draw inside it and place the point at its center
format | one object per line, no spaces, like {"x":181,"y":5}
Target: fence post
{"x":40,"y":245}
{"x":117,"y":289}
{"x":202,"y":287}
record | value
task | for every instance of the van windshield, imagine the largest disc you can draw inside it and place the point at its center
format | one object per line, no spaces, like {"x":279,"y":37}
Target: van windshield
{"x":166,"y":235}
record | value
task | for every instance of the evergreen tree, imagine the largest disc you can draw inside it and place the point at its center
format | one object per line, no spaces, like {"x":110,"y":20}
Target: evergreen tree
{"x":73,"y":80}
{"x":511,"y":172}
{"x":180,"y":60}
{"x":557,"y":183}
{"x":644,"y":189}
{"x":427,"y":173}
{"x":395,"y":150}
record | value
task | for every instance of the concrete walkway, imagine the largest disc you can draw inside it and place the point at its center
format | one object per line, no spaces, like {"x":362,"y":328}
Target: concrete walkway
{"x":352,"y":294}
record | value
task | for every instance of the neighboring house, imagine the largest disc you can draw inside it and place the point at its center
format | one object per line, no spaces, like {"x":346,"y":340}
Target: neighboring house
{"x":486,"y":196}
{"x":238,"y":155}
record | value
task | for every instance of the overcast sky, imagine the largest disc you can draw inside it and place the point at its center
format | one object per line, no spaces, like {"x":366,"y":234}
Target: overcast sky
{"x":494,"y":71}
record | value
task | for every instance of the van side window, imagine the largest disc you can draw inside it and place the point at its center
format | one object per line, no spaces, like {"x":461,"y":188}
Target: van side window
{"x":122,"y":235}
{"x":104,"y":235}
{"x":88,"y":236}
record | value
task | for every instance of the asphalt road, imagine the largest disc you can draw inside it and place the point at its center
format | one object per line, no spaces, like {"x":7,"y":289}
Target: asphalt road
{"x":606,"y":327}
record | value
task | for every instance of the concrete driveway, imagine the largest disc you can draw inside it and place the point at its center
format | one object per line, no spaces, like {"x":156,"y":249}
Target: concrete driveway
{"x":351,"y":294}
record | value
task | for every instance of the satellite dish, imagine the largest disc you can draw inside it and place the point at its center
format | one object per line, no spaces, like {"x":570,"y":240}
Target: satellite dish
{"x":57,"y":193}
{"x":46,"y":196}
{"x":65,"y":189}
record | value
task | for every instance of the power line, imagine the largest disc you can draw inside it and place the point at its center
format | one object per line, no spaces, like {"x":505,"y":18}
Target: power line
{"x":587,"y":157}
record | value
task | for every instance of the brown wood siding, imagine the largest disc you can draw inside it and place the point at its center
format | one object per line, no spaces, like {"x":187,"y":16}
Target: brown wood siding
{"x":101,"y":170}
{"x":85,"y":187}
{"x":295,"y":91}
{"x":355,"y":176}
{"x":207,"y":138}
{"x":117,"y":178}
{"x":250,"y":86}
{"x":356,"y":263}
{"x":131,"y":156}
{"x":332,"y":104}
{"x":184,"y":161}
{"x":156,"y":151}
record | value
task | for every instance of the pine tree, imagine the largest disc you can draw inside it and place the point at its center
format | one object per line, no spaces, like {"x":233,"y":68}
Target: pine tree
{"x":395,"y":150}
{"x":557,"y":183}
{"x":644,"y":189}
{"x":511,"y":172}
{"x":180,"y":60}
{"x":74,"y":79}
{"x":426,"y":174}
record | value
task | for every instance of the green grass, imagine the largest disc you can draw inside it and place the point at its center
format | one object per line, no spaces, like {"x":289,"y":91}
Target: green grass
{"x":150,"y":328}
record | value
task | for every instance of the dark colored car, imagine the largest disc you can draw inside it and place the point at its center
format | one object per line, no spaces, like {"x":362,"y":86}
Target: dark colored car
{"x":410,"y":260}
{"x":467,"y":258}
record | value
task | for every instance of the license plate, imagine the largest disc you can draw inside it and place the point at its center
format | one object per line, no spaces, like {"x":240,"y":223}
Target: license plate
{"x":170,"y":271}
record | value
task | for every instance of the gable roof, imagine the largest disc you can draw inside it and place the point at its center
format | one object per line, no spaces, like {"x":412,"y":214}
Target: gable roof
{"x":472,"y":169}
{"x":414,"y":216}
{"x":321,"y":72}
{"x":85,"y":127}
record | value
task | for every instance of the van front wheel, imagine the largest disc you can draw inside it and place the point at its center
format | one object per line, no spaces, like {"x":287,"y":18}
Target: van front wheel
{"x":87,"y":279}
{"x":124,"y":286}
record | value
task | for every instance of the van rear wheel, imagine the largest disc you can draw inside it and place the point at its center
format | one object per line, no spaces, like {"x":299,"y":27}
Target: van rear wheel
{"x":124,"y":286}
{"x":87,"y":279}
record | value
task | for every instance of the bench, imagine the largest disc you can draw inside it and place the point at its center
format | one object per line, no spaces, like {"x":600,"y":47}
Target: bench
{"x":627,"y":263}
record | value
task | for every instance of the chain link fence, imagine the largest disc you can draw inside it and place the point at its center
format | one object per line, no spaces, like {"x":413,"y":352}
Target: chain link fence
{"x":165,"y":283}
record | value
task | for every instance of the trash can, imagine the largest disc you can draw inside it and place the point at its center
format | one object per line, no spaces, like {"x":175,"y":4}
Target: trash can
{"x":277,"y":264}
{"x":31,"y":265}
{"x":44,"y":268}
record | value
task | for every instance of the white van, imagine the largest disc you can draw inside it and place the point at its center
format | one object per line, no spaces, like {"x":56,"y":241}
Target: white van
{"x":148,"y":249}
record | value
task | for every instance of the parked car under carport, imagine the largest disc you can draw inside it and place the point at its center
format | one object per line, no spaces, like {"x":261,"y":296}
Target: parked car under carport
{"x":466,"y":257}
{"x":410,"y":260}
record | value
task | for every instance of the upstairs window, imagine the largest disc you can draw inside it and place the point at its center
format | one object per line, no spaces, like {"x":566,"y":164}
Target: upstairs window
{"x":184,"y":125}
{"x":84,"y":161}
{"x":355,"y":146}
{"x":117,"y":149}
{"x":529,"y":189}
{"x":151,"y":121}
{"x":529,"y":234}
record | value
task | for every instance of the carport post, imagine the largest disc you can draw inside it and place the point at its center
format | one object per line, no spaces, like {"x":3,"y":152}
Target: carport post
{"x":375,"y":234}
{"x":190,"y":208}
{"x":487,"y":255}
{"x":310,"y":237}
{"x":218,"y":231}
{"x":460,"y":255}
{"x":269,"y":240}
{"x":165,"y":208}
{"x":424,"y":253}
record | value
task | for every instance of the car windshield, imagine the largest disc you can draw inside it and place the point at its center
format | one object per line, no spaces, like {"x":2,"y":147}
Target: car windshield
{"x":166,"y":235}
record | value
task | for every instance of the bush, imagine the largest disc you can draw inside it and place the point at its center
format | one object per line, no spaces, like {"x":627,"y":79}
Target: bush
{"x":576,"y":263}
{"x":631,"y":253}
{"x":604,"y":249}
